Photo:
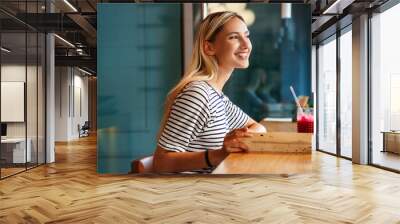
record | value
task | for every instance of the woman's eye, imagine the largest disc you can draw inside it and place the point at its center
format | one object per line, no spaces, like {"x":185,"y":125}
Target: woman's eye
{"x":233,"y":37}
{"x":248,"y":36}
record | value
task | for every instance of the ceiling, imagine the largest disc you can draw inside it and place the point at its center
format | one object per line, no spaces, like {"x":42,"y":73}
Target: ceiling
{"x":76,"y":22}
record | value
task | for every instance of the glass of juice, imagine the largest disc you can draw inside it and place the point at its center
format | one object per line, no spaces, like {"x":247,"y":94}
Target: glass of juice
{"x":305,"y":120}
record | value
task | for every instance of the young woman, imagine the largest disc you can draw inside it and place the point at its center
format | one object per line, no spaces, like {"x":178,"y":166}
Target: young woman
{"x":201,"y":126}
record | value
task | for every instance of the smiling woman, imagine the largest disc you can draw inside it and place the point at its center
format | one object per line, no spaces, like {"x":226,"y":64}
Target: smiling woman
{"x":201,"y":126}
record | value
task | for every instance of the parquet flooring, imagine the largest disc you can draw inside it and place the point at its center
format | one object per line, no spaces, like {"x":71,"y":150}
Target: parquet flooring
{"x":10,"y":171}
{"x":70,"y":191}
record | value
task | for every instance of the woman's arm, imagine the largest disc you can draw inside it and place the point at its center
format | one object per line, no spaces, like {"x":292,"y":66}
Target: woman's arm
{"x":253,"y":126}
{"x":165,"y":161}
{"x":234,"y":112}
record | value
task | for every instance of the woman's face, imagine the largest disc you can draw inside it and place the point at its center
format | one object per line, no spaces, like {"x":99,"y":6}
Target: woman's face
{"x":232,"y":46}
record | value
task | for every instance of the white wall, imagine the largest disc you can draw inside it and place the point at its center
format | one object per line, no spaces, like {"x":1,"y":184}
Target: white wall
{"x":11,"y":73}
{"x":62,"y":81}
{"x":71,"y":103}
{"x":33,"y":127}
{"x":15,"y":72}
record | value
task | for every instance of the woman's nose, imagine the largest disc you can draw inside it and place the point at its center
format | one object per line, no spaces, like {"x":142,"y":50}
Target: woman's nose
{"x":245,"y":43}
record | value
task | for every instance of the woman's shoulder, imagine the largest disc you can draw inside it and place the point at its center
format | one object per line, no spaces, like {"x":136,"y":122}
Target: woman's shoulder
{"x":193,"y":85}
{"x":197,"y":88}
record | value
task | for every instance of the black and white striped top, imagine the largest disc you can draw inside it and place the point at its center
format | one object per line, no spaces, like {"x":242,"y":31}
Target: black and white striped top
{"x":200,"y":118}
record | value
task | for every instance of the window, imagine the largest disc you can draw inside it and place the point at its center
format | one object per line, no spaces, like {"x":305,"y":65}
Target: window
{"x":346,"y":93}
{"x":327,"y":95}
{"x":385,"y":88}
{"x":22,"y":78}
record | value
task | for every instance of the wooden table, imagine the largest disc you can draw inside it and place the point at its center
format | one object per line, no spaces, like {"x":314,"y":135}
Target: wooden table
{"x":265,"y":163}
{"x":279,"y":126}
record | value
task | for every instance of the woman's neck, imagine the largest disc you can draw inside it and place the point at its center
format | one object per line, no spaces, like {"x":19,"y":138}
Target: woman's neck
{"x":221,"y":78}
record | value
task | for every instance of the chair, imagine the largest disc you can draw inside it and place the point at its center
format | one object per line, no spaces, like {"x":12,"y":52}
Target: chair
{"x":144,"y":165}
{"x":84,"y":130}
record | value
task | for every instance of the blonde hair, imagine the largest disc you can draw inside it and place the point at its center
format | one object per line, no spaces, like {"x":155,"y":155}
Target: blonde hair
{"x":202,"y":67}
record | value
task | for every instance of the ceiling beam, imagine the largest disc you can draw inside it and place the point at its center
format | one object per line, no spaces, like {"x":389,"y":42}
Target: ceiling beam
{"x":337,"y":6}
{"x":86,"y":26}
{"x":82,"y":61}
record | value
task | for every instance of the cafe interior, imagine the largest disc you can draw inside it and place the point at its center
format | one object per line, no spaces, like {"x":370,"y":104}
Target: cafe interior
{"x":83,"y":90}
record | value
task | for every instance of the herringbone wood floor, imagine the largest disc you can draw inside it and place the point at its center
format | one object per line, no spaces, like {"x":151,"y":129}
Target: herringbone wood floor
{"x":70,"y":191}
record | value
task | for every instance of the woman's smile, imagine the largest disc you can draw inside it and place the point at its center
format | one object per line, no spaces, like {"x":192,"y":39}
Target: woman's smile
{"x":243,"y":55}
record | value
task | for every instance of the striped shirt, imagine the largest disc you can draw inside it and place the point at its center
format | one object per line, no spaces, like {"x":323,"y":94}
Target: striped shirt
{"x":199,"y":119}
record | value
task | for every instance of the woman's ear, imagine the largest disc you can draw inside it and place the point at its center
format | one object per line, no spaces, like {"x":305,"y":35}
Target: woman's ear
{"x":209,"y":48}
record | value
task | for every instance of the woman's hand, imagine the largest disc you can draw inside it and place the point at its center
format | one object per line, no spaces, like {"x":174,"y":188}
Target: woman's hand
{"x":255,"y":127}
{"x":233,"y":141}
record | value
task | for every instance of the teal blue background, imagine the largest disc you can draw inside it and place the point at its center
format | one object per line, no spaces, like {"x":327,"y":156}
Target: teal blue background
{"x":138,"y":61}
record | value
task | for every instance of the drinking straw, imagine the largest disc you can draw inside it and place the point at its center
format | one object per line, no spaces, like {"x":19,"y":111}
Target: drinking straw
{"x":296,"y":99}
